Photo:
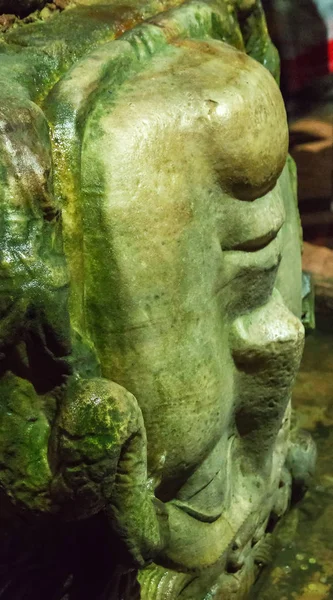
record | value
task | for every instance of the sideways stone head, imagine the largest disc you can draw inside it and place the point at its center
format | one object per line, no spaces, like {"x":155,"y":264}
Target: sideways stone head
{"x":177,"y":338}
{"x":192,"y":177}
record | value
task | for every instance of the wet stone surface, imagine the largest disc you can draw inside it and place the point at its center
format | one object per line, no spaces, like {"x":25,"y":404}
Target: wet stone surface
{"x":303,"y":564}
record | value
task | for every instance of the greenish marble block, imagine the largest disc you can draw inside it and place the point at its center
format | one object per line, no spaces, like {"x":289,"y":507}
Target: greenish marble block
{"x":150,"y":290}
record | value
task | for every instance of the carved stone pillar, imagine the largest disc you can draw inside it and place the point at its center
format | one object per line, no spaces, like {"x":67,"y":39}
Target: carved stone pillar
{"x":150,"y":293}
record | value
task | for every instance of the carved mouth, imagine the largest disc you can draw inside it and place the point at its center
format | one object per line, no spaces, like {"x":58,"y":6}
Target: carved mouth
{"x":258,"y":243}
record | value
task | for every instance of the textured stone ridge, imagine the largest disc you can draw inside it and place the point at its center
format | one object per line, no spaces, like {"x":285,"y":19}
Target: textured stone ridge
{"x":151,"y":288}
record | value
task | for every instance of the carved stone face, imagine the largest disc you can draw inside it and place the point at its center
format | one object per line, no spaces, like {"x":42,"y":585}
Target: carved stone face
{"x":182,"y":252}
{"x":151,"y":287}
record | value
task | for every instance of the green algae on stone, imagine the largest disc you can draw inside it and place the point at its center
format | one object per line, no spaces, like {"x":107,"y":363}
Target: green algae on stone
{"x":151,"y":284}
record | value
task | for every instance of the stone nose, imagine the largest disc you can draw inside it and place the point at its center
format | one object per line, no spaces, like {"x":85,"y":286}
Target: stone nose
{"x":266,"y":346}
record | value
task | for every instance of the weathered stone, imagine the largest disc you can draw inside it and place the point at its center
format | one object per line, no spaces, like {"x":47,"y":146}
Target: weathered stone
{"x":151,"y":299}
{"x":62,"y":4}
{"x":6,"y":21}
{"x":45,"y":13}
{"x":302,"y":566}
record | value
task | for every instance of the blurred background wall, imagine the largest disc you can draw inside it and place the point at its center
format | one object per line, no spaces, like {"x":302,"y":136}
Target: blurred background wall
{"x":303,"y":32}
